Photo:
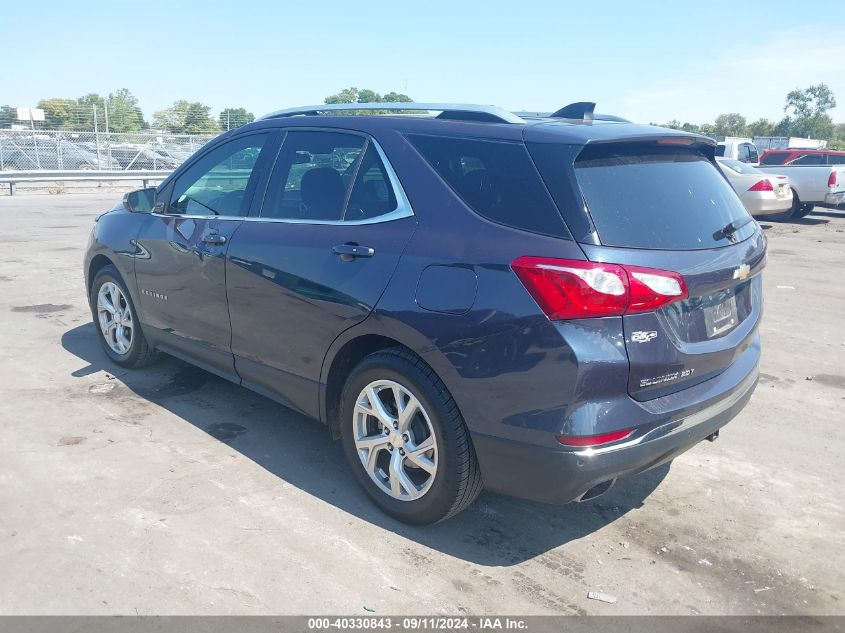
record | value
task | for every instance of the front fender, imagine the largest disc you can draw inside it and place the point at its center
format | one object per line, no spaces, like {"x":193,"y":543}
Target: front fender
{"x":114,"y":237}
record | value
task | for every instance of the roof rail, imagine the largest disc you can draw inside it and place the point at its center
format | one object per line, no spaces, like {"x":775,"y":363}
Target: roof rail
{"x":579,"y":110}
{"x":460,"y":111}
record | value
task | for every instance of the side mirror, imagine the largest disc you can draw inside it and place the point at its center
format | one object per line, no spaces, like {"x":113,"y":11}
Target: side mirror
{"x":140,"y":200}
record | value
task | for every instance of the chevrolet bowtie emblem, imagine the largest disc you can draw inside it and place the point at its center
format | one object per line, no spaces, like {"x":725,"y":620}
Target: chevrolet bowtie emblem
{"x":742,"y":272}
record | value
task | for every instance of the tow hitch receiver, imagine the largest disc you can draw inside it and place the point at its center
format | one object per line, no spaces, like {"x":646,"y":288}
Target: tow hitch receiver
{"x":713,"y":436}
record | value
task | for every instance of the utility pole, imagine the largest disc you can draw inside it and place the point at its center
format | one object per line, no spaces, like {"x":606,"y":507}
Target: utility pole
{"x":108,"y":138}
{"x":96,"y":135}
{"x":34,"y":140}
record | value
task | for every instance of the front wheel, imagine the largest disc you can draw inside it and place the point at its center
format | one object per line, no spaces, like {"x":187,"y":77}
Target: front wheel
{"x":116,"y":321}
{"x":405,"y":439}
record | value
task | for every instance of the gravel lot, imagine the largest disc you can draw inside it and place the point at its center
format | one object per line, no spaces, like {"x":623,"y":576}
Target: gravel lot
{"x":171,"y":491}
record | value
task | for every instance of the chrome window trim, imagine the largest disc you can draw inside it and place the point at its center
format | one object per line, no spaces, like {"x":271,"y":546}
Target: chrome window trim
{"x":403,"y":206}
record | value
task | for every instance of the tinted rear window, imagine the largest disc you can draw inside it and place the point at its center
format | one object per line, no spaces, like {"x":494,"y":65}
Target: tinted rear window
{"x":653,"y":197}
{"x":776,"y":158}
{"x":720,"y":150}
{"x":496,"y":179}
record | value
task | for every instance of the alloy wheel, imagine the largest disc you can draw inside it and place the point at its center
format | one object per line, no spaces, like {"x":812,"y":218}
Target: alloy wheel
{"x":394,"y":439}
{"x":115,"y":318}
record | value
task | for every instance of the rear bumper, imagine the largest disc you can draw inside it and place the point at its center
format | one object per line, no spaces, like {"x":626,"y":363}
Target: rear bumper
{"x":766,"y":202}
{"x":835,"y":199}
{"x":563,"y":475}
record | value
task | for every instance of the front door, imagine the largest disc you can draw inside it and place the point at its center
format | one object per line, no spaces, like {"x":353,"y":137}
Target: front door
{"x":332,"y":228}
{"x":180,"y":271}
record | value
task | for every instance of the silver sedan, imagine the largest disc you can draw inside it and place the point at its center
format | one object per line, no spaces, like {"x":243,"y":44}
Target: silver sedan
{"x":762,"y":194}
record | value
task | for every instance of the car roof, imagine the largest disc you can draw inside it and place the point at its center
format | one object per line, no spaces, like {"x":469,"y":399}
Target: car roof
{"x":533,"y":128}
{"x":794,"y":150}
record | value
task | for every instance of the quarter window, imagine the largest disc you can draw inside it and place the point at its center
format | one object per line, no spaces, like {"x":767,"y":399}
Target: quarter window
{"x":495,"y":179}
{"x":216,"y":184}
{"x":328,"y":176}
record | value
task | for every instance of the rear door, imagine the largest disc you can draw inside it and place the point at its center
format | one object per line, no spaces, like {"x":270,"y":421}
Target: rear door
{"x":332,"y":227}
{"x":667,"y":207}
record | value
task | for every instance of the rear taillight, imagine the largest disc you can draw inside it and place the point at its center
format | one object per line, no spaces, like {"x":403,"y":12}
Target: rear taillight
{"x":594,"y":440}
{"x":574,"y":289}
{"x":831,"y":180}
{"x":762,"y":185}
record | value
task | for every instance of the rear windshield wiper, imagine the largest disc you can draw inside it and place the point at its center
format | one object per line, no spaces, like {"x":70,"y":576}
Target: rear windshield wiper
{"x":730,"y":228}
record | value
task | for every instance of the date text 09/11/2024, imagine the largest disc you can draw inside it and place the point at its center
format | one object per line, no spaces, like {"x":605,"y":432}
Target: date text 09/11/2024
{"x":418,"y":623}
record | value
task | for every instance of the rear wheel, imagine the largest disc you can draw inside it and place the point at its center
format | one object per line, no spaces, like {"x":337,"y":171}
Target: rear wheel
{"x":804,"y":210}
{"x":405,"y":439}
{"x":116,"y":321}
{"x":796,"y":205}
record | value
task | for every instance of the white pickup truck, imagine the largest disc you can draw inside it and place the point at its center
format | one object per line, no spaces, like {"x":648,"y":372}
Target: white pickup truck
{"x":812,"y":185}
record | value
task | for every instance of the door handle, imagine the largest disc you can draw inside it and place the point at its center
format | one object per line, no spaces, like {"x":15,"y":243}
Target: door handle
{"x":350,"y":251}
{"x":214,"y":238}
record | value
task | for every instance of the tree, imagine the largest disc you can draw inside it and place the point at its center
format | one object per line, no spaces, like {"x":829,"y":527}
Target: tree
{"x":731,"y":124}
{"x":839,"y":132}
{"x":59,"y":114}
{"x":349,"y":95}
{"x":124,"y":114}
{"x":230,"y":118}
{"x":396,"y":96}
{"x":84,"y":113}
{"x":365,"y":95}
{"x":761,"y":127}
{"x":807,"y":112}
{"x":707,"y":129}
{"x":186,"y":117}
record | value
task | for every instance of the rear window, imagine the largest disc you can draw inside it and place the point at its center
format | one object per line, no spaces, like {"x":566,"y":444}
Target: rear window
{"x":495,"y":179}
{"x":774,"y":158}
{"x":739,"y":167}
{"x":658,"y":198}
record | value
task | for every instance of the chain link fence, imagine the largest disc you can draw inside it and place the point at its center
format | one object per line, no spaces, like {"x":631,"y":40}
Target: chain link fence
{"x":28,"y":150}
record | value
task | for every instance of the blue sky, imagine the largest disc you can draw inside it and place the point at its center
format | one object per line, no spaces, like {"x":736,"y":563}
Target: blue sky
{"x":648,"y":61}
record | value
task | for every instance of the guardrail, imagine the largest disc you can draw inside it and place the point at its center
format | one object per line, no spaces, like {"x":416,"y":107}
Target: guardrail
{"x":12,"y":178}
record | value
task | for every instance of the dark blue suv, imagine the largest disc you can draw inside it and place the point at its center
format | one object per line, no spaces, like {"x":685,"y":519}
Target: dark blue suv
{"x":469,"y":299}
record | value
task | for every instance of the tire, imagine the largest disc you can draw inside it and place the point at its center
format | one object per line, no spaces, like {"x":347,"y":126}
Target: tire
{"x":804,"y":210}
{"x":456,"y":479}
{"x":796,"y":206}
{"x":138,"y":352}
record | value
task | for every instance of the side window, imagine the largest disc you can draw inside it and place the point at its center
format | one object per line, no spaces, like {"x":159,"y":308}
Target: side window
{"x":216,"y":184}
{"x":809,"y":159}
{"x":372,"y":195}
{"x":743,"y":153}
{"x":753,"y":156}
{"x":775,"y":158}
{"x":836,"y":159}
{"x":313,"y":175}
{"x":495,"y":179}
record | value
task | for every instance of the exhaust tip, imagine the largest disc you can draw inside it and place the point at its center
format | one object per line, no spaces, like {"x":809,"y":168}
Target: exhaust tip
{"x":597,"y":490}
